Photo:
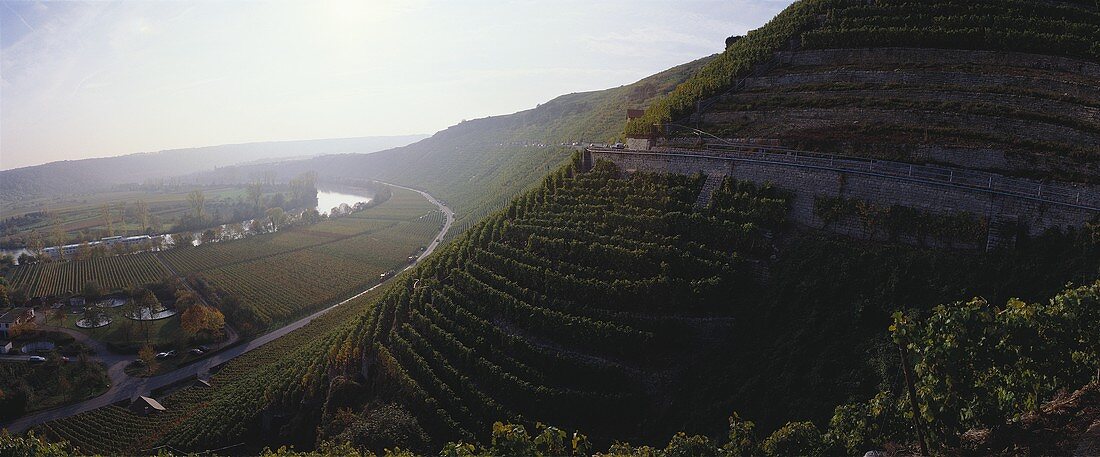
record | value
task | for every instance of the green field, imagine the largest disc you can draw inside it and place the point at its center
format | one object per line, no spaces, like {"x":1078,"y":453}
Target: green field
{"x":286,"y":274}
{"x":275,"y":276}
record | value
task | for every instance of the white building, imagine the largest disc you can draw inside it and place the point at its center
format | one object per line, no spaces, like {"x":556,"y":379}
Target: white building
{"x":69,"y":250}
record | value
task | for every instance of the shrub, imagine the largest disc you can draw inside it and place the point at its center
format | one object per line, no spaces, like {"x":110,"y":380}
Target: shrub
{"x":800,"y":439}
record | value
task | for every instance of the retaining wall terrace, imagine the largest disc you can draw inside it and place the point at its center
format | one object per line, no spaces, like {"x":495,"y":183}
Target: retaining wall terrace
{"x":806,"y":182}
{"x":817,"y":118}
{"x":936,"y":57}
{"x":1019,"y":103}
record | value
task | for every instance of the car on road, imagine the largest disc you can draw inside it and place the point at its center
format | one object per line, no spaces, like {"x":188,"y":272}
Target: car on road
{"x":196,"y":351}
{"x":618,"y":146}
{"x":36,"y":359}
{"x":203,"y":348}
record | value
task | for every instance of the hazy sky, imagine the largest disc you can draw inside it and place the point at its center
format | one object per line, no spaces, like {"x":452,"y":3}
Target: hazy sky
{"x":108,"y":78}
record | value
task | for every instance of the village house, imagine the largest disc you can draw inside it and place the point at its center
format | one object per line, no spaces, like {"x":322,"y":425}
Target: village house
{"x":12,"y":318}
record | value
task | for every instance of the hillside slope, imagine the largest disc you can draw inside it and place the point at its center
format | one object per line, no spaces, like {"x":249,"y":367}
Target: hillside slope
{"x":477,"y":166}
{"x":1002,"y":85}
{"x":607,"y":303}
{"x":604,"y":303}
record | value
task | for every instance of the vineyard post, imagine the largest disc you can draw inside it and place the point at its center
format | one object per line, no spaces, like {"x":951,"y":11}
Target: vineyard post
{"x":912,"y":397}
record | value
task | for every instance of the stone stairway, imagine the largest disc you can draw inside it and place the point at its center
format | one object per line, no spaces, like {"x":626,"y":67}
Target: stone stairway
{"x":1002,"y":231}
{"x":713,"y":181}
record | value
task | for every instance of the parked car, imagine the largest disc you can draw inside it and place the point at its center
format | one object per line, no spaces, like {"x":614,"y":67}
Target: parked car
{"x":204,"y":348}
{"x":619,"y":146}
{"x":165,"y":355}
{"x":196,"y":351}
{"x":36,"y":359}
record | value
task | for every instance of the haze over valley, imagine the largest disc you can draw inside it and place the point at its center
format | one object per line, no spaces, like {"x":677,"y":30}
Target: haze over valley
{"x":743,"y":228}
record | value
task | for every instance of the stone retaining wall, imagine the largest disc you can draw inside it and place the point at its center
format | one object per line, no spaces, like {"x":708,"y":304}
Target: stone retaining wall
{"x":1035,"y":217}
{"x":934,"y":57}
{"x":923,"y":78}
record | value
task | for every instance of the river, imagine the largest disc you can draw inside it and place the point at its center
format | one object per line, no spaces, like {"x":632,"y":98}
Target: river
{"x":330,"y":198}
{"x":326,"y":200}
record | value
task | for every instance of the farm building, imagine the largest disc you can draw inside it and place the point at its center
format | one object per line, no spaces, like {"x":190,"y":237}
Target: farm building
{"x":145,"y":406}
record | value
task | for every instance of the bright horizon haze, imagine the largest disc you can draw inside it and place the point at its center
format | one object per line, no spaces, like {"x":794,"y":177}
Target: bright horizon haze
{"x":96,"y":79}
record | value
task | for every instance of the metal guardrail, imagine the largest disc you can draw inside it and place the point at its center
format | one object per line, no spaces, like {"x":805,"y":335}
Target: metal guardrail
{"x":1054,"y":193}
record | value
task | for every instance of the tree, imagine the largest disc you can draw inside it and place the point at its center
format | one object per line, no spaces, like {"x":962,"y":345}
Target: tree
{"x":59,"y":315}
{"x":185,"y":299}
{"x":35,"y":245}
{"x":13,"y":402}
{"x":198,"y":202}
{"x":27,"y":259}
{"x":85,"y":252}
{"x":149,"y":300}
{"x":795,"y":438}
{"x":742,"y":438}
{"x":183,"y":239}
{"x":22,"y":329}
{"x":198,"y":319}
{"x":59,"y":235}
{"x":148,"y":357}
{"x":277,"y":217}
{"x":91,"y":315}
{"x":6,"y":262}
{"x":255,"y":193}
{"x":5,"y":297}
{"x":311,"y":216}
{"x":106,"y":212}
{"x":142,"y":210}
{"x":19,"y":295}
{"x":208,"y":235}
{"x":92,"y":290}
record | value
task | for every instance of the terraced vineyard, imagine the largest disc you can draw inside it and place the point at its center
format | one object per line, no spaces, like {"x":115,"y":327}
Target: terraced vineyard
{"x":61,"y":278}
{"x":1004,"y":85}
{"x":559,"y":302}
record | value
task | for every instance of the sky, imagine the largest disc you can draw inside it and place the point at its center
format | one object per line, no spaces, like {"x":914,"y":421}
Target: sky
{"x":95,"y":79}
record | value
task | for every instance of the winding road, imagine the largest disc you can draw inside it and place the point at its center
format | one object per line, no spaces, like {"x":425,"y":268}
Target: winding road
{"x":124,"y":387}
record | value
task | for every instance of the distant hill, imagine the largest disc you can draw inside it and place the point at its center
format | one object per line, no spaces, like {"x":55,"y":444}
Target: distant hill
{"x":1007,"y":86}
{"x":91,"y":174}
